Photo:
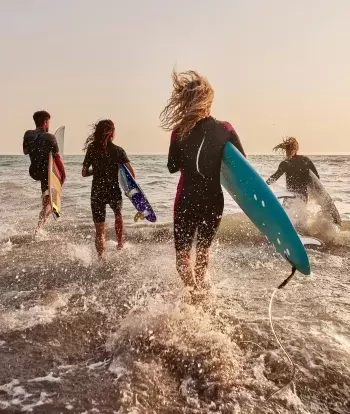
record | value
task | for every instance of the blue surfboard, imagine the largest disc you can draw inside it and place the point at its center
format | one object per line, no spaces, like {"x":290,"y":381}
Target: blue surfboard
{"x":259,"y":203}
{"x":134,"y":193}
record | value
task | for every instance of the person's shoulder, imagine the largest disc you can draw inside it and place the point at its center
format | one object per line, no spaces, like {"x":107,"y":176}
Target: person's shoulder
{"x":118,"y":148}
{"x":284,"y":163}
{"x":303,"y":158}
{"x":91,"y":147}
{"x":174,"y":135}
{"x":48,"y":135}
{"x":225,"y":124}
{"x":115,"y":149}
{"x":29,"y":133}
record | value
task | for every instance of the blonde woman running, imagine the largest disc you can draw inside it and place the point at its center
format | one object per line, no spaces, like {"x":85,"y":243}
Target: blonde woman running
{"x":196,"y":149}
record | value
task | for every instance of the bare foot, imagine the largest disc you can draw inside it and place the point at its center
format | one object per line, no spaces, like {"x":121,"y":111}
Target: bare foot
{"x":120,"y":246}
{"x":101,"y":257}
{"x":204,"y":285}
{"x":198,"y":296}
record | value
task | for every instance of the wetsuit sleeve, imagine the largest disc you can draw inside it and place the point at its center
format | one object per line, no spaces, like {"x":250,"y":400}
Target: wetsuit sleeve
{"x":173,"y":156}
{"x":53,"y":144}
{"x":313,"y":168}
{"x":234,"y":138}
{"x":274,"y":177}
{"x":88,"y":159}
{"x":26,"y":143}
{"x":123,"y":157}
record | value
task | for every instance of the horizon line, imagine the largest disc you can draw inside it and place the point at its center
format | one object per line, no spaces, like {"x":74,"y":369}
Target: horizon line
{"x":165,"y":153}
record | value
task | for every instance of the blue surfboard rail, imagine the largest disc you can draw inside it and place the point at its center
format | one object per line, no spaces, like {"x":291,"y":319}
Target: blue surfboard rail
{"x":262,"y":207}
{"x":134,"y":193}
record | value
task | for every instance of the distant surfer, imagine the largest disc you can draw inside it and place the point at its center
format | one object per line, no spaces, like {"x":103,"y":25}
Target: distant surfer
{"x":196,"y":149}
{"x":38,"y":144}
{"x":105,"y":157}
{"x":296,"y":167}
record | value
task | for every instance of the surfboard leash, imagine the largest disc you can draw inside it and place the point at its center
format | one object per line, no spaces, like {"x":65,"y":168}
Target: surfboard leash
{"x":281,"y":286}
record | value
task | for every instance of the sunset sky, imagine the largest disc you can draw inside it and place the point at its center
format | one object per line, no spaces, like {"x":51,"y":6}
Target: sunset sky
{"x":278,"y":67}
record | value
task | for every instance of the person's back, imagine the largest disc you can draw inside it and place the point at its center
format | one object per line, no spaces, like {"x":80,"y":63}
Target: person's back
{"x":296,"y":167}
{"x":297,"y":171}
{"x":199,"y":156}
{"x":105,"y":165}
{"x":39,"y":144}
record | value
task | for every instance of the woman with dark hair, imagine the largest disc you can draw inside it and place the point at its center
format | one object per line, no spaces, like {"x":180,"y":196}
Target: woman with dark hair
{"x":196,"y":149}
{"x":105,"y":157}
{"x":295,"y":166}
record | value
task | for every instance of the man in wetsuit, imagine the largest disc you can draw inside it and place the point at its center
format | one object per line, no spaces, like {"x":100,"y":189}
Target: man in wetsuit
{"x":38,"y":144}
{"x":296,"y":167}
{"x":196,"y":149}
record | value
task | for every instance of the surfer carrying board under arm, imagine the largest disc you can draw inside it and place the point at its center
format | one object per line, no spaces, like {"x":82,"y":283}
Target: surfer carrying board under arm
{"x":196,"y":150}
{"x":296,"y":167}
{"x":105,"y":157}
{"x":38,"y":144}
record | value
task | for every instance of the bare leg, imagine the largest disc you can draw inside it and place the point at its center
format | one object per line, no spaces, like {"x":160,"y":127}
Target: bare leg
{"x":44,"y":213}
{"x":119,"y":229}
{"x":100,"y":240}
{"x":202,"y":260}
{"x":183,"y":266}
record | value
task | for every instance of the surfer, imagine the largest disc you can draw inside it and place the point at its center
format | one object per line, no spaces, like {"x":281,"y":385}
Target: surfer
{"x":196,"y":149}
{"x":38,"y":144}
{"x":105,"y":157}
{"x":296,"y":167}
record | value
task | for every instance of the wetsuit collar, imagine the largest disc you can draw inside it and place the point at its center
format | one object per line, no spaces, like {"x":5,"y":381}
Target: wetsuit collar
{"x":40,"y":129}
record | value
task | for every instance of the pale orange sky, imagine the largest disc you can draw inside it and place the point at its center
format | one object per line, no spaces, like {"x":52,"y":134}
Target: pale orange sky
{"x":278,"y":67}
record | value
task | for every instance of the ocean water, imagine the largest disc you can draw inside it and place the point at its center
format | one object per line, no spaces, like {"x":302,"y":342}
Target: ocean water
{"x":79,"y":336}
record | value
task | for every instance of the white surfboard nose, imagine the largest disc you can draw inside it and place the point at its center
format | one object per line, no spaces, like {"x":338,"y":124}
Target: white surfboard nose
{"x":284,"y":194}
{"x":310,"y":241}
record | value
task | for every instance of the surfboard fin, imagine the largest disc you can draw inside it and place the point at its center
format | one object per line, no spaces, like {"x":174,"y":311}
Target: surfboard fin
{"x":310,"y":241}
{"x":139,"y":215}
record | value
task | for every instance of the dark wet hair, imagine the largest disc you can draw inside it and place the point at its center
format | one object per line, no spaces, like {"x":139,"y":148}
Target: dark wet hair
{"x":288,"y":144}
{"x":40,"y":117}
{"x":102,"y":133}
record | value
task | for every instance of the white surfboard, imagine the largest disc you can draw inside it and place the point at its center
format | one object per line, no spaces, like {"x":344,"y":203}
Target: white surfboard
{"x":321,"y":196}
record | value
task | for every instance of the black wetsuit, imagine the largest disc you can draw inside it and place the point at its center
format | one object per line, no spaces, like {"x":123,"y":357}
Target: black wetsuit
{"x":297,"y":174}
{"x":39,"y":143}
{"x":199,"y":201}
{"x":105,"y":184}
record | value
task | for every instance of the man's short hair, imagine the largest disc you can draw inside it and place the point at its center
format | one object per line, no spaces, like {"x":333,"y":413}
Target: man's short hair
{"x":40,"y":117}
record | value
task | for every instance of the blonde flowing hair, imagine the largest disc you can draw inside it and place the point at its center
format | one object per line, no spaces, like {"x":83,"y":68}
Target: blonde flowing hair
{"x":289,"y":144}
{"x":190,"y":102}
